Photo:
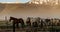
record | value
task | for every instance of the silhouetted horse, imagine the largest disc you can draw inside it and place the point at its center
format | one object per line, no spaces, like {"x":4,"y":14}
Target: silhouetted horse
{"x":42,"y":24}
{"x":35,"y":24}
{"x":28,"y":22}
{"x":20,"y":20}
{"x":47,"y":20}
{"x":17,"y":21}
{"x":14,"y":22}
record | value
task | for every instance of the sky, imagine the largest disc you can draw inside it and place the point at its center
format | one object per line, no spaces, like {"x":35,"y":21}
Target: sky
{"x":22,"y":1}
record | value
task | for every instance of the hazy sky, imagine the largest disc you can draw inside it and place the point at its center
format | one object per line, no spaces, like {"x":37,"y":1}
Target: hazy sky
{"x":18,"y":11}
{"x":15,"y":11}
{"x":22,"y":1}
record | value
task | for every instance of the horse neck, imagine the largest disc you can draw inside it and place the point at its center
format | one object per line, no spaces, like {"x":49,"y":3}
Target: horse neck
{"x":12,"y":19}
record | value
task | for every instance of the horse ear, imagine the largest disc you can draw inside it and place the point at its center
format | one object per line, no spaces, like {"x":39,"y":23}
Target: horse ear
{"x":10,"y":17}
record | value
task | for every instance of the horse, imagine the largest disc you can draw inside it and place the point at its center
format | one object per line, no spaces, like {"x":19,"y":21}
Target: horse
{"x":35,"y":24}
{"x":28,"y":22}
{"x":21,"y":21}
{"x":14,"y":22}
{"x":17,"y":21}
{"x":47,"y":20}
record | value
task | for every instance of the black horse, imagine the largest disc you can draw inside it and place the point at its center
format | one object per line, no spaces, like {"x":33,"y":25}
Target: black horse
{"x":17,"y":21}
{"x":14,"y":22}
{"x":35,"y":24}
{"x":28,"y":22}
{"x":20,"y":20}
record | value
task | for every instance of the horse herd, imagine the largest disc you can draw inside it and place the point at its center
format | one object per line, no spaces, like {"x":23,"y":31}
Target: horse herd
{"x":35,"y":22}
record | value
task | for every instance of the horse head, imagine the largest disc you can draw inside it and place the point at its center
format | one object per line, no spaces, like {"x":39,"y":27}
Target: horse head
{"x":11,"y":18}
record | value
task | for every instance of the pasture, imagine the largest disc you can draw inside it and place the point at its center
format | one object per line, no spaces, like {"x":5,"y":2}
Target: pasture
{"x":7,"y":27}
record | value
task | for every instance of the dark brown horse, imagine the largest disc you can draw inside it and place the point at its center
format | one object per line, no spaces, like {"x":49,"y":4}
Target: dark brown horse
{"x":20,"y":20}
{"x":28,"y":22}
{"x":14,"y":21}
{"x":17,"y":21}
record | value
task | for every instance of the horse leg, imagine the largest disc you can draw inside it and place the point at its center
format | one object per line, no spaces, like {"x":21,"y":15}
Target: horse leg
{"x":30,"y":24}
{"x":22,"y":25}
{"x":13,"y":26}
{"x":17,"y":25}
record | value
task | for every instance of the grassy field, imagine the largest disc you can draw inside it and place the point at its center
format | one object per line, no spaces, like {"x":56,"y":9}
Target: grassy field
{"x":4,"y":25}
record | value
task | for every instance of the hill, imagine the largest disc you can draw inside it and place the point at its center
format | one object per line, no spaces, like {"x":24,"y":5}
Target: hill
{"x":26,"y":10}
